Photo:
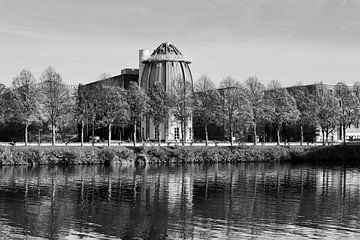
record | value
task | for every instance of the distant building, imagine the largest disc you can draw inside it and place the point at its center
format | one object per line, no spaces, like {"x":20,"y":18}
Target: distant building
{"x":319,"y":89}
{"x":123,"y":80}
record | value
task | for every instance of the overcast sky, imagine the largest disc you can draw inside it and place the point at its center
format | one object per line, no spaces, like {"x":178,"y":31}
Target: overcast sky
{"x":289,"y":40}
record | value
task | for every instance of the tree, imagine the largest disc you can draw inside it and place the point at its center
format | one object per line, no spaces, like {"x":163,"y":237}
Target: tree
{"x":327,"y":114}
{"x":55,"y":98}
{"x":274,"y":84}
{"x":207,"y":104}
{"x":6,"y":104}
{"x":85,"y":110}
{"x":306,"y":105}
{"x":283,"y":108}
{"x":111,"y":107}
{"x":254,"y":102}
{"x":349,"y":107}
{"x":138,"y":105}
{"x":182,"y":95}
{"x":160,"y":105}
{"x":231,"y":92}
{"x":25,"y":100}
{"x":66,"y":127}
{"x":104,"y":76}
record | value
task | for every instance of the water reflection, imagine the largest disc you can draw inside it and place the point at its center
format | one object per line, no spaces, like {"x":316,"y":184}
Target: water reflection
{"x":180,"y":202}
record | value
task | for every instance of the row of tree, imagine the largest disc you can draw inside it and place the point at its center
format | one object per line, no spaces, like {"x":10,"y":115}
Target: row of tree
{"x":51,"y":102}
{"x":231,"y":104}
{"x":250,"y":103}
{"x":28,"y":102}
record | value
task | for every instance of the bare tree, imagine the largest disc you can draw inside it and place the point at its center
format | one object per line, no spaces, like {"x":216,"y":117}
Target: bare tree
{"x":6,"y":104}
{"x":182,"y":95}
{"x":349,"y":107}
{"x":85,"y":111}
{"x":254,"y":102}
{"x":306,"y":105}
{"x":55,"y":98}
{"x":160,"y":105}
{"x":207,"y":104}
{"x":111,"y":107}
{"x":327,"y":114}
{"x":282,"y":108}
{"x":25,"y":100}
{"x":274,"y":84}
{"x":231,"y":92}
{"x":104,"y":76}
{"x":138,"y":105}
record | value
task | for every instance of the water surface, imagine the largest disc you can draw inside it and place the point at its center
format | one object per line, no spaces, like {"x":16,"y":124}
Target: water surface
{"x":245,"y":201}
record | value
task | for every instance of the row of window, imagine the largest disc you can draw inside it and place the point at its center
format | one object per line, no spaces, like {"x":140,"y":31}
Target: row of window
{"x":176,"y":133}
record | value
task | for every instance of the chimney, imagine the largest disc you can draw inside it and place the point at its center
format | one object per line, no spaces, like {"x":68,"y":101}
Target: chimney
{"x":143,"y":55}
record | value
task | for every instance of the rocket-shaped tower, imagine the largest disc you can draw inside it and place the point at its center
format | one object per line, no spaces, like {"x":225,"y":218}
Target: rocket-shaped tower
{"x":165,"y":65}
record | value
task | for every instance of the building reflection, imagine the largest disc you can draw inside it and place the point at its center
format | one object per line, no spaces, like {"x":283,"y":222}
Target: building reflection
{"x":185,"y":201}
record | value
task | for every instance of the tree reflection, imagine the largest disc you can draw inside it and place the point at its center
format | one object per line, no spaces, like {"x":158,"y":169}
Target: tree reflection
{"x":187,"y":201}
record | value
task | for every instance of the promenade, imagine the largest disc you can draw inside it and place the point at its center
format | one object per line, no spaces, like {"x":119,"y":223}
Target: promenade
{"x":115,"y":143}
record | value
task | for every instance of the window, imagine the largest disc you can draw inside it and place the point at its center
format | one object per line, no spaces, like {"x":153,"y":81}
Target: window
{"x":177,"y":133}
{"x":156,"y":133}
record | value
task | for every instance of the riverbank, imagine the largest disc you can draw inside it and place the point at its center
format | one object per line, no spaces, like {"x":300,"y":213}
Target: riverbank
{"x":338,"y":154}
{"x":67,"y":155}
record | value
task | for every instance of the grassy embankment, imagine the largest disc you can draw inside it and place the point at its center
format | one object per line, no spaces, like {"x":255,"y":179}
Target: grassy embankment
{"x":117,"y":155}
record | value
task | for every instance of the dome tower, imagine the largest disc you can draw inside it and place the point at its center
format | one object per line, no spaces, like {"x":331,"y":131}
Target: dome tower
{"x":166,"y":65}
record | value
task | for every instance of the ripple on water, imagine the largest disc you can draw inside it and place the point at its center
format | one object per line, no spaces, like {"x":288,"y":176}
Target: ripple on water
{"x":245,"y":201}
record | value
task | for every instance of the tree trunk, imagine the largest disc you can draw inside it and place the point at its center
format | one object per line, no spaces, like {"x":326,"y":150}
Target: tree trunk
{"x":327,"y":137}
{"x":53,"y":133}
{"x":183,"y":133}
{"x":26,"y":134}
{"x":301,"y":135}
{"x":206,"y":135}
{"x":92,"y":134}
{"x":323,"y":137}
{"x":278,"y":135}
{"x":254,"y":133}
{"x":109,"y":133}
{"x":39,"y":137}
{"x":166,"y":131}
{"x":82,"y":133}
{"x":135,"y":132}
{"x":231,"y":134}
{"x":344,"y":134}
{"x":159,"y":134}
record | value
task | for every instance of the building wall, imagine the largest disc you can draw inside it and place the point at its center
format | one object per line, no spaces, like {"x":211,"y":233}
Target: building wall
{"x":352,"y":132}
{"x":123,"y":80}
{"x":148,"y":130}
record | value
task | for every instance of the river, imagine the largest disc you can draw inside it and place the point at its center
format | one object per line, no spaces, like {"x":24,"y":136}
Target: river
{"x":244,"y":201}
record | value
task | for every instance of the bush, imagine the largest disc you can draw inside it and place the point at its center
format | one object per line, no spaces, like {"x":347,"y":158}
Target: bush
{"x":107,"y":155}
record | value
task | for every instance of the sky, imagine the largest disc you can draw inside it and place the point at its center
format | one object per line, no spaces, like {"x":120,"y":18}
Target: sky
{"x":292,"y":41}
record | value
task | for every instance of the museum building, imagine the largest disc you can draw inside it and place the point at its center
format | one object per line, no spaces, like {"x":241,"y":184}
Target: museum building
{"x":166,"y":65}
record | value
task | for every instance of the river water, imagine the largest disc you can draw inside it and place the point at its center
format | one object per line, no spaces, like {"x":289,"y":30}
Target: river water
{"x":245,"y":201}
